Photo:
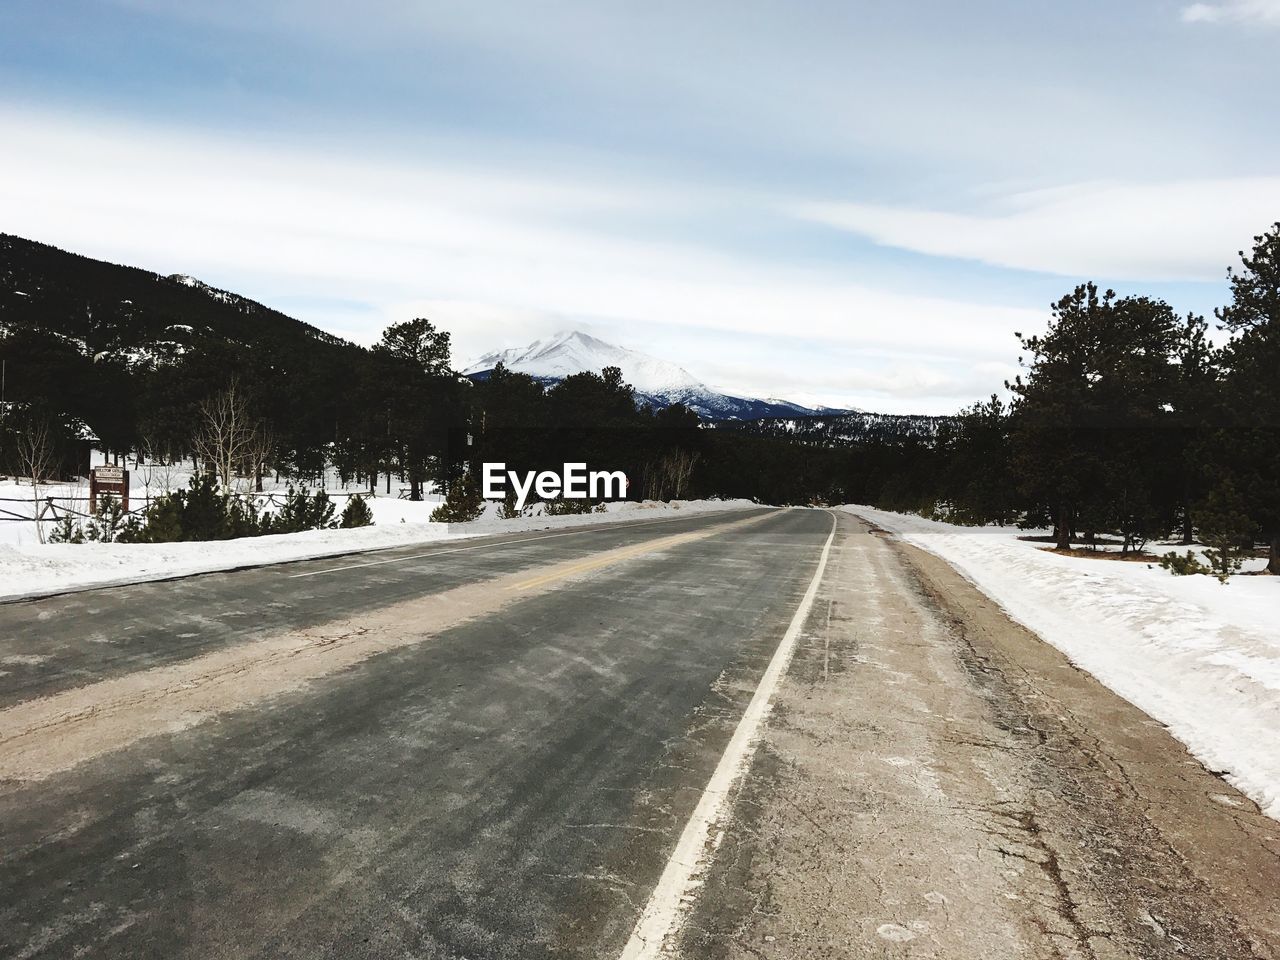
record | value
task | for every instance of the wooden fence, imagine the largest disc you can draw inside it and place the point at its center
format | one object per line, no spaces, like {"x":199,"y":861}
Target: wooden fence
{"x":54,"y":508}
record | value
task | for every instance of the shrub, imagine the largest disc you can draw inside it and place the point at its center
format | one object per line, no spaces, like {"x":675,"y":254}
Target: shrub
{"x":356,"y":514}
{"x":206,"y":512}
{"x":162,"y":520}
{"x":108,"y":522}
{"x":198,"y":513}
{"x":66,"y":530}
{"x":201,"y":512}
{"x":302,"y":510}
{"x":462,"y":504}
{"x":1183,"y":565}
{"x":560,"y":507}
{"x":1224,"y":528}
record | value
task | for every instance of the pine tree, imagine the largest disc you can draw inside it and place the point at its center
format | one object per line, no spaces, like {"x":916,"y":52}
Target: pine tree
{"x":1198,"y":398}
{"x":462,"y":504}
{"x":420,"y":392}
{"x":978,"y":480}
{"x":1224,"y":525}
{"x":356,"y":514}
{"x":1249,"y":445}
{"x":1093,"y":414}
{"x":419,"y":342}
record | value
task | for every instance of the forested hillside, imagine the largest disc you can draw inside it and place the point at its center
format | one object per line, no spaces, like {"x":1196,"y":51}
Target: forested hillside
{"x":132,"y":354}
{"x":843,"y":429}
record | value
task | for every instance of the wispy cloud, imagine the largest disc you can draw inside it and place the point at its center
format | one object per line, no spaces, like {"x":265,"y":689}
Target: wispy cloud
{"x":1181,"y":231}
{"x":1240,"y":11}
{"x":837,"y":82}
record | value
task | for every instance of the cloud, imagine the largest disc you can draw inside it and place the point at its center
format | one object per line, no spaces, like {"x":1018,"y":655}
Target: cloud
{"x":1181,"y":231}
{"x":893,"y":384}
{"x":1238,"y":11}
{"x":496,"y":256}
{"x":889,"y":88}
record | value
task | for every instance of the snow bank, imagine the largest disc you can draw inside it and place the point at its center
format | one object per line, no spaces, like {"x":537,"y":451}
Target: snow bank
{"x":1200,"y":657}
{"x":33,"y":569}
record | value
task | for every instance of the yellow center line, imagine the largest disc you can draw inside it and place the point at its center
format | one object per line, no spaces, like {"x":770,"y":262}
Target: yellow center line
{"x":626,"y":553}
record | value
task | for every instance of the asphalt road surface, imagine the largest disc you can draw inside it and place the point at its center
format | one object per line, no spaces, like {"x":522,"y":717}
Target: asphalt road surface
{"x":508,"y":786}
{"x":501,"y":749}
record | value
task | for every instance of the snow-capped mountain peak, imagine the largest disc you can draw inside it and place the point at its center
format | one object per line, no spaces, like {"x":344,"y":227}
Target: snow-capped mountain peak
{"x":573,"y":351}
{"x":658,"y":383}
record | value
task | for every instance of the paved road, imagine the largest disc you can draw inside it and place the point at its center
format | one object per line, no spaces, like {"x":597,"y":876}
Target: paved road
{"x":509,"y":786}
{"x":62,"y":642}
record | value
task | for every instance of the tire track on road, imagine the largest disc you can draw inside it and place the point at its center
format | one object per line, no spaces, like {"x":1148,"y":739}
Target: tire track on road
{"x":41,"y":737}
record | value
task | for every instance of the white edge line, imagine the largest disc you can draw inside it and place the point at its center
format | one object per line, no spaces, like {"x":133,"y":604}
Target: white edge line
{"x":625,"y":525}
{"x":669,"y":901}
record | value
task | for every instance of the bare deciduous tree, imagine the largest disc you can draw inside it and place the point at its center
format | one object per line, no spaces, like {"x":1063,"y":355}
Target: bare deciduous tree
{"x":668,"y":479}
{"x":36,"y":461}
{"x":158,"y":465}
{"x":260,"y":451}
{"x":228,"y":436}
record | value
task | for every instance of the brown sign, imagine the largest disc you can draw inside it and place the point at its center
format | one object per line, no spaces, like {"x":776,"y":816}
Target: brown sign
{"x":108,"y":481}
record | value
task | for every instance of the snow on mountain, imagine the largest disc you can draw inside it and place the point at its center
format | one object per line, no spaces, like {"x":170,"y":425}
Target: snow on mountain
{"x":574,"y":352}
{"x":658,"y":383}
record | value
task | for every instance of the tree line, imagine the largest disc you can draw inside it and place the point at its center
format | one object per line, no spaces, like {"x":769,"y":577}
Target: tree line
{"x":1127,"y":422}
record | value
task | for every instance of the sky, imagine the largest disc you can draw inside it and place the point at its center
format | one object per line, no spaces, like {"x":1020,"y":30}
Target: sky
{"x":852,"y":203}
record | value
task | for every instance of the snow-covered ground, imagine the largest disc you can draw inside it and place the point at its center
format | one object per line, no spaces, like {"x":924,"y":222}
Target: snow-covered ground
{"x":29,"y":568}
{"x":1200,"y":657}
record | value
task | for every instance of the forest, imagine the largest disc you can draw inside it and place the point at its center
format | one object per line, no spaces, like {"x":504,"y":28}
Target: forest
{"x":1129,"y":420}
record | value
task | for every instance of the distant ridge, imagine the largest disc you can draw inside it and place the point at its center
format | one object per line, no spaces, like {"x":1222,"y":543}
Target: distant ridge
{"x":845,"y":428}
{"x":133,"y":315}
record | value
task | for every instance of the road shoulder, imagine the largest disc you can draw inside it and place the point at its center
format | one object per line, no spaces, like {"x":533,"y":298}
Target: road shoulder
{"x":938,"y":782}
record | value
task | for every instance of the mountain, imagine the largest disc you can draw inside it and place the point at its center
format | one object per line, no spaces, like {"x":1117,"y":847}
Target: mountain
{"x":118,"y":313}
{"x":658,"y":383}
{"x":130,"y":352}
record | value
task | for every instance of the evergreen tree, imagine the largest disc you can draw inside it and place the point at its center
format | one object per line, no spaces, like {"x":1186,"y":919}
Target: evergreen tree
{"x":419,"y":342}
{"x":423,"y":403}
{"x":1093,"y":415}
{"x":1225,"y":527}
{"x":1196,"y":406}
{"x":978,"y":477}
{"x":510,"y":422}
{"x":462,"y":504}
{"x":1249,"y":443}
{"x":356,"y":514}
